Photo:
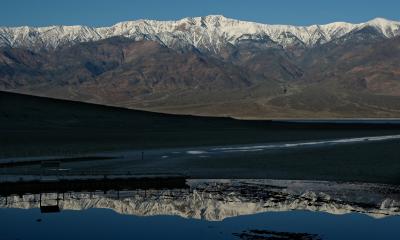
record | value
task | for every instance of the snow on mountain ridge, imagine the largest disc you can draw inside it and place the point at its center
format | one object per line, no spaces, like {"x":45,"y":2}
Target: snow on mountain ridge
{"x":209,"y":33}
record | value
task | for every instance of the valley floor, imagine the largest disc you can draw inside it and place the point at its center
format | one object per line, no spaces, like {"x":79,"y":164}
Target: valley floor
{"x":366,"y":159}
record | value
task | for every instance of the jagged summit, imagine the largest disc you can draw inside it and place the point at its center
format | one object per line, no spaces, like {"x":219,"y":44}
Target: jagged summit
{"x":208,"y":33}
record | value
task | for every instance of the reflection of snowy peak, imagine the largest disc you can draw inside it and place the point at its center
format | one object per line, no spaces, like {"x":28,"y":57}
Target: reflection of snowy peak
{"x":207,"y":33}
{"x":217,"y":200}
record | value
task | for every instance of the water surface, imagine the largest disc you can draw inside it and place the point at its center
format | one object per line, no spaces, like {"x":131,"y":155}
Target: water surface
{"x":209,"y":209}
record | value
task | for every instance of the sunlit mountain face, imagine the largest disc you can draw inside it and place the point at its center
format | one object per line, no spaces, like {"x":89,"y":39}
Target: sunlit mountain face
{"x":209,"y":33}
{"x":212,"y":66}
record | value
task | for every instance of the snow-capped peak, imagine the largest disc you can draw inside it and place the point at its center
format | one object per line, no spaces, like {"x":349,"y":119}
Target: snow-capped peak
{"x":387,"y":27}
{"x":381,"y":22}
{"x":208,"y":33}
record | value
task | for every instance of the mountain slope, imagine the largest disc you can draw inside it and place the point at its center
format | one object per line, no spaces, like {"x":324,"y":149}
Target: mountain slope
{"x":212,"y":66}
{"x":208,"y":33}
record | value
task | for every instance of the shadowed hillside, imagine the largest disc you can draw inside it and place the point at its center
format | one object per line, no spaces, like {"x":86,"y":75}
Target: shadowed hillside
{"x":39,"y":126}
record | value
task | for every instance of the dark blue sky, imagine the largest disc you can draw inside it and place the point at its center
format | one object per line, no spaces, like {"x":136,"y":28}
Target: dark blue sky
{"x":108,"y":12}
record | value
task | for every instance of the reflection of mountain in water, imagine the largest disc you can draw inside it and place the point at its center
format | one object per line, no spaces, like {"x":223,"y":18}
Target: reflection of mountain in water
{"x":216,"y":200}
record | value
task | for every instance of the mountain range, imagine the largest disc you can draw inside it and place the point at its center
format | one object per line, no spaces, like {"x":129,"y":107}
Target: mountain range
{"x":212,"y":66}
